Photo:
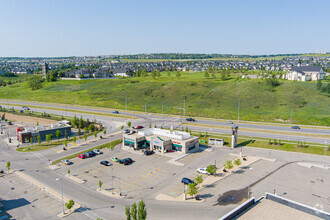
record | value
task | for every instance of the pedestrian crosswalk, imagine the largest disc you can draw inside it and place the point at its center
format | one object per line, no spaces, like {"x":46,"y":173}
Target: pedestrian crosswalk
{"x":89,"y":213}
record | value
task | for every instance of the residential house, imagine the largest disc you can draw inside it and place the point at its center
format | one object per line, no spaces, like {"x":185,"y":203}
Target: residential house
{"x":306,"y":73}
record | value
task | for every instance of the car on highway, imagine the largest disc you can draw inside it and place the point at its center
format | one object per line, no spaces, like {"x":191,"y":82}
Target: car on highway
{"x":105,"y":163}
{"x":25,"y":108}
{"x":186,"y":181}
{"x":148,"y":152}
{"x":190,"y":119}
{"x":115,"y":112}
{"x":115,"y":159}
{"x":202,"y":170}
{"x":230,"y":122}
{"x":126,"y":131}
{"x":295,"y":127}
{"x":82,"y":156}
{"x":139,"y":127}
{"x":66,"y":162}
{"x":97,"y":151}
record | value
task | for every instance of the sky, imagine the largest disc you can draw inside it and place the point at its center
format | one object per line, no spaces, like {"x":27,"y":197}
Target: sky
{"x":57,"y":28}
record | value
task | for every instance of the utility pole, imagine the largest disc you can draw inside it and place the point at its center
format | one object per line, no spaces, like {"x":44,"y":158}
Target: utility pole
{"x":239,"y":106}
{"x":249,"y":182}
{"x":290,"y":125}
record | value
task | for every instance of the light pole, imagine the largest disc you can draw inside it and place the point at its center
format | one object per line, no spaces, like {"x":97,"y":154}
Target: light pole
{"x":239,"y":106}
{"x":249,"y":182}
{"x":60,"y":179}
{"x":325,"y":153}
{"x":290,"y":125}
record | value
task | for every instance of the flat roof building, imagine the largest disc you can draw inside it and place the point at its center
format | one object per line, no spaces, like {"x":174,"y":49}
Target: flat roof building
{"x":161,"y":140}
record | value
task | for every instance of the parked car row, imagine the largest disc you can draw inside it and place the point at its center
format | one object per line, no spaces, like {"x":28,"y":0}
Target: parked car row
{"x":90,"y":154}
{"x":125,"y":161}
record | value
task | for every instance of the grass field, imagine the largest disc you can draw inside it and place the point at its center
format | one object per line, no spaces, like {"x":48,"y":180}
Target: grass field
{"x":204,"y":97}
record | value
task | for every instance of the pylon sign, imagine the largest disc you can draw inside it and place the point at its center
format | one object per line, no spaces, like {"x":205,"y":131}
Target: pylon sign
{"x":234,"y":136}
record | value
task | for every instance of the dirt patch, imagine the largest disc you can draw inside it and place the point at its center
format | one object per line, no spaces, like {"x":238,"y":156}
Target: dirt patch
{"x":232,"y":197}
{"x":28,"y":119}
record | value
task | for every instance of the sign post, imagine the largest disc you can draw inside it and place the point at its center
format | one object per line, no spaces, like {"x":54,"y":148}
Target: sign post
{"x":234,"y":136}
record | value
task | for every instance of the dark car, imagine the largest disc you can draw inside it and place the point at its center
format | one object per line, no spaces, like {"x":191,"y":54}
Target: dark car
{"x":105,"y":163}
{"x":295,"y":127}
{"x":127,"y":131}
{"x":148,"y":152}
{"x":139,"y":127}
{"x":10,"y":123}
{"x":186,"y":181}
{"x":115,"y":112}
{"x":90,"y":154}
{"x":126,"y":161}
{"x":190,"y":119}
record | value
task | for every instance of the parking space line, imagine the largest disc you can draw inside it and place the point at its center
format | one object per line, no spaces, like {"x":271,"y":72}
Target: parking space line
{"x":57,"y":204}
{"x":43,"y":199}
{"x":144,"y":185}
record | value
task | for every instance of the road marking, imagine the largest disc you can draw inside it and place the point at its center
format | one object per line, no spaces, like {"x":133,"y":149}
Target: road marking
{"x":44,"y":199}
{"x":89,"y":213}
{"x":57,"y":204}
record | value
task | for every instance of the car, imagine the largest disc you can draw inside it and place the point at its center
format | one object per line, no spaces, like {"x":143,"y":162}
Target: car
{"x":81,"y":156}
{"x":66,"y":162}
{"x":139,"y":127}
{"x":25,"y":108}
{"x":148,"y":152}
{"x":105,"y":163}
{"x":115,"y":112}
{"x":230,"y":122}
{"x":190,"y":119}
{"x":115,"y":159}
{"x":186,"y":181}
{"x":126,"y":161}
{"x":97,"y":151}
{"x":10,"y":123}
{"x":202,"y":170}
{"x":126,"y":131}
{"x":90,"y":154}
{"x":295,"y":127}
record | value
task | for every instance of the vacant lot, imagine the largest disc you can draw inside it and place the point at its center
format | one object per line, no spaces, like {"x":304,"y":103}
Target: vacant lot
{"x":28,"y":119}
{"x":205,"y":97}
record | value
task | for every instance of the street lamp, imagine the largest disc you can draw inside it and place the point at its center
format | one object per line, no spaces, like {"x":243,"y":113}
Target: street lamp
{"x":249,"y":182}
{"x":60,"y":179}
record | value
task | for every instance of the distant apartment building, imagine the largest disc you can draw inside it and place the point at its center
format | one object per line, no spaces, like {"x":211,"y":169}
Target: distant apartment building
{"x":306,"y":73}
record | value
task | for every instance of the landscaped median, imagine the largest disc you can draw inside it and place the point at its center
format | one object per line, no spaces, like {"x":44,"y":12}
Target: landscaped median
{"x":107,"y":145}
{"x":275,"y":144}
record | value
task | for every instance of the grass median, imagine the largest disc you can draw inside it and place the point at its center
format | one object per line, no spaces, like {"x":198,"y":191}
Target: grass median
{"x":107,"y":145}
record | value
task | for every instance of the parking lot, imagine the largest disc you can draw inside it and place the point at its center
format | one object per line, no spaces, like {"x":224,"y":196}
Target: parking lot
{"x":22,"y":199}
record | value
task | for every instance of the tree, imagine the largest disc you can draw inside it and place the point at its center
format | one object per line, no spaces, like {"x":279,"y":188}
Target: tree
{"x":142,"y":212}
{"x":133,"y":211}
{"x":38,"y":137}
{"x":81,"y":122}
{"x":74,"y":139}
{"x":122,"y":127}
{"x":228,"y":165}
{"x":95,"y":134}
{"x":128,"y":213}
{"x":153,"y":74}
{"x":66,"y":134}
{"x":70,"y":204}
{"x":37,"y":123}
{"x":211,"y":169}
{"x":237,"y":162}
{"x":8,"y":165}
{"x":65,"y":143}
{"x":35,"y":83}
{"x":85,"y":136}
{"x":31,"y":140}
{"x":79,"y":132}
{"x":206,"y":74}
{"x":199,"y":179}
{"x":319,"y":84}
{"x":58,"y":134}
{"x":92,"y":127}
{"x":129,"y":124}
{"x":214,"y":76}
{"x":48,"y":138}
{"x":192,"y":189}
{"x":100,"y":184}
{"x":86,"y":130}
{"x":75,"y":121}
{"x":178,"y":74}
{"x":104,"y":131}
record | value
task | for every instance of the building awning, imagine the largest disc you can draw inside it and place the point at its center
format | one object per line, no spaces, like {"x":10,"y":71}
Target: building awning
{"x":131,"y":142}
{"x":176,"y":145}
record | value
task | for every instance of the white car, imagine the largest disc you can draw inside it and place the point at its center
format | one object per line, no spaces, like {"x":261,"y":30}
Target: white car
{"x":97,"y":151}
{"x":202,"y":171}
{"x":66,"y":162}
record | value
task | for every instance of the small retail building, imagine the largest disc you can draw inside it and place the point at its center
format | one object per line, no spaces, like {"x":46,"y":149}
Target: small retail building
{"x":161,"y":140}
{"x":24,"y":134}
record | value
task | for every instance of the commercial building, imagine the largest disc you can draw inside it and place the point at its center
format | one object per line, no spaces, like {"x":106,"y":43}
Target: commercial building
{"x":161,"y":140}
{"x":24,"y":134}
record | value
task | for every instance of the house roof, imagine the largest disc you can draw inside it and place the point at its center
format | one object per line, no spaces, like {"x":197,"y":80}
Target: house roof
{"x":306,"y":68}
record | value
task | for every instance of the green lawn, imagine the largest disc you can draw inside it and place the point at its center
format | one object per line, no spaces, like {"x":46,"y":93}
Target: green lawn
{"x":204,"y":97}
